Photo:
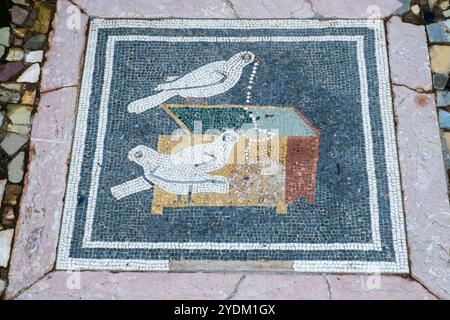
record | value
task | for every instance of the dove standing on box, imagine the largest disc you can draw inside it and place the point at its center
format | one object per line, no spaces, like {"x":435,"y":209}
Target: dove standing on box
{"x":182,"y":173}
{"x":209,"y":80}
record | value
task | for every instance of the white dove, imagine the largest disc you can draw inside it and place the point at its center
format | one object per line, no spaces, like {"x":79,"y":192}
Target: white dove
{"x":209,"y":80}
{"x":183,"y":173}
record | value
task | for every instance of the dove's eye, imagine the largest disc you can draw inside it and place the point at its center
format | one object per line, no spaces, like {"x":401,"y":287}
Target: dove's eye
{"x":139,"y":154}
{"x":247,"y":57}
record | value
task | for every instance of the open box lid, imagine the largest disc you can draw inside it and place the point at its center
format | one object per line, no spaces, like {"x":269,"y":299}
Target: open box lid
{"x":287,"y":121}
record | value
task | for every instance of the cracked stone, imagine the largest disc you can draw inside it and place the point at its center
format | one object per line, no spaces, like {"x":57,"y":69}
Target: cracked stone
{"x":18,"y":15}
{"x":439,"y":31}
{"x":31,"y":75}
{"x":440,"y":63}
{"x":443,"y":98}
{"x":4,"y":36}
{"x":36,"y":42}
{"x":444,"y":119}
{"x":11,"y":70}
{"x":15,"y":168}
{"x":12,"y":143}
{"x":19,"y":114}
{"x":15,"y":54}
{"x":440,"y":80}
{"x":408,"y":54}
{"x":5,"y":246}
{"x":34,"y":56}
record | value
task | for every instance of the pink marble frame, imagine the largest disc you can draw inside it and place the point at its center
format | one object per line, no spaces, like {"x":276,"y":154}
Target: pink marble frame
{"x":32,"y":274}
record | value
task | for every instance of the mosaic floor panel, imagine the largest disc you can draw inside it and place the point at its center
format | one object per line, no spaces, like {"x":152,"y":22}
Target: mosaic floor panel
{"x":227,"y":140}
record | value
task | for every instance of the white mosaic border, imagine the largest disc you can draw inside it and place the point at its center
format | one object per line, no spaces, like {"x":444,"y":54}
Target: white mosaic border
{"x":65,"y":262}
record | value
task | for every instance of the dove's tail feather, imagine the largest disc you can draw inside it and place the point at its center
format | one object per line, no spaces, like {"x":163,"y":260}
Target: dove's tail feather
{"x":130,"y":187}
{"x":153,"y":101}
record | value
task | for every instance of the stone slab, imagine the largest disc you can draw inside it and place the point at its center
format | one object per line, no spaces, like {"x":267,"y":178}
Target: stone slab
{"x":192,"y":286}
{"x":62,"y":66}
{"x":272,"y":9}
{"x":157,"y":8}
{"x":408,"y":55}
{"x":42,"y":201}
{"x":426,"y":202}
{"x":356,"y":9}
{"x":136,"y":286}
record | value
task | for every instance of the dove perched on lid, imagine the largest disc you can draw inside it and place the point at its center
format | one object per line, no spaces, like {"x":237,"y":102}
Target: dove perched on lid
{"x":206,"y":81}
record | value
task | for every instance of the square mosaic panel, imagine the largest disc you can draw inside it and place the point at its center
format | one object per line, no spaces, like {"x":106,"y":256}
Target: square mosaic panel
{"x":234,"y":141}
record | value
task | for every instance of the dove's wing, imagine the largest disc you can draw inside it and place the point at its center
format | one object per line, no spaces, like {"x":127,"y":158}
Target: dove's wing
{"x":194,"y":157}
{"x":207,"y":75}
{"x":203,"y":157}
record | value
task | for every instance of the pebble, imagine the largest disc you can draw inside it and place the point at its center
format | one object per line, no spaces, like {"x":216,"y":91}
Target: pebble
{"x":22,"y":2}
{"x":10,"y":70}
{"x":2,"y":286}
{"x":15,"y":168}
{"x":443,"y":98}
{"x":444,"y":5}
{"x":444,"y":119}
{"x":4,"y":36}
{"x":12,"y":143}
{"x":19,"y":114}
{"x":12,"y":193}
{"x":36,"y":42}
{"x":9,"y":96}
{"x":439,"y":31}
{"x":440,"y":80}
{"x":15,"y":54}
{"x":18,"y":15}
{"x":2,"y":51}
{"x":23,"y":130}
{"x":440,"y":62}
{"x":42,"y":23}
{"x":6,"y":237}
{"x":31,"y":75}
{"x":34,"y":56}
{"x":28,"y":97}
{"x":9,"y":219}
{"x":446,"y":13}
{"x":415,"y":9}
{"x":429,"y":16}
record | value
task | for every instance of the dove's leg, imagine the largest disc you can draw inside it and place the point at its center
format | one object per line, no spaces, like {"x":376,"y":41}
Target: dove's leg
{"x":189,"y":199}
{"x":130,"y":187}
